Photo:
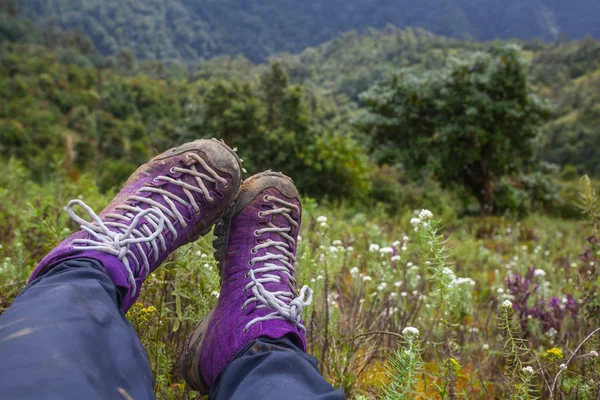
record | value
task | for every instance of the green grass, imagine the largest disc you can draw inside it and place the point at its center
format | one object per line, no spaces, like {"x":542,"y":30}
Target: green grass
{"x":360,"y":289}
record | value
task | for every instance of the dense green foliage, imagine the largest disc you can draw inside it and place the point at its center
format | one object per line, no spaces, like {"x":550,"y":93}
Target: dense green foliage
{"x":62,"y":101}
{"x":471,"y":123}
{"x":55,"y":105}
{"x":189,"y":30}
{"x":568,"y":74}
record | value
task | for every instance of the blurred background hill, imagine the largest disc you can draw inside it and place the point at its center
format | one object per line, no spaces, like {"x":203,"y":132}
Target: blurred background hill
{"x":190,"y":30}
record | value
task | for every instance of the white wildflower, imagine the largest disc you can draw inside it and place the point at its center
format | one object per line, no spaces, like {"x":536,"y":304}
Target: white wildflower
{"x":562,"y":366}
{"x":299,"y":238}
{"x":216,"y":294}
{"x":199,"y":253}
{"x":324,"y":225}
{"x":382,"y":286}
{"x":395,"y":258}
{"x":322,"y":219}
{"x":398,"y":284}
{"x":551,"y":332}
{"x":403,"y":294}
{"x":507,"y":304}
{"x":337,"y":242}
{"x":386,"y":250}
{"x":367,"y":278}
{"x":333,"y":249}
{"x":449,"y":273}
{"x":354,"y":272}
{"x":485,"y":346}
{"x":593,"y":353}
{"x":539,"y":272}
{"x":373,"y":247}
{"x":405,"y":238}
{"x":349,"y":249}
{"x":424,"y":215}
{"x":463,"y":281}
{"x":528,"y":370}
{"x":396,"y":243}
{"x":319,"y":277}
{"x":409,"y":330}
{"x":415,"y":221}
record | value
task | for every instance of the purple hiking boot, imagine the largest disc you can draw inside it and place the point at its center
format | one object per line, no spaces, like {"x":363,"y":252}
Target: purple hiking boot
{"x":256,"y":248}
{"x":170,"y":201}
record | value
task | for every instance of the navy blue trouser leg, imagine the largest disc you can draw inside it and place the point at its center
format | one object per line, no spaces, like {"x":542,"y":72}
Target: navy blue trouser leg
{"x":270,"y":369}
{"x":65,"y":337}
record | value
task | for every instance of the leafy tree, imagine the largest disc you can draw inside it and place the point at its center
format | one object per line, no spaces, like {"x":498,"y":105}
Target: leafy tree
{"x":470,"y":123}
{"x":273,"y":84}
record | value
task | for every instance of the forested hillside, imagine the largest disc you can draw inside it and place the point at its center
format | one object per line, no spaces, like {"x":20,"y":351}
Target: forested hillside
{"x":63,"y":101}
{"x":189,"y":30}
{"x":568,"y":74}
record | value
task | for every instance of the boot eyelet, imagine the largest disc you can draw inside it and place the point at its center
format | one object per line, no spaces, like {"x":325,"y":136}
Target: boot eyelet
{"x":247,"y":275}
{"x":265,"y":198}
{"x":226,"y":184}
{"x":244,"y":330}
{"x":260,"y":214}
{"x":256,"y":233}
{"x":172,"y":170}
{"x":245,"y":290}
{"x":251,"y":263}
{"x":253,"y":251}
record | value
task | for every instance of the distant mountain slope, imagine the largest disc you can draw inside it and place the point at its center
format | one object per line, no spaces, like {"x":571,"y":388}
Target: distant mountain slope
{"x":193,"y":29}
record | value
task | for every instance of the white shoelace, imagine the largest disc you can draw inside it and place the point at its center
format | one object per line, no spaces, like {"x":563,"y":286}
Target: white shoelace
{"x":286,"y":305}
{"x":157,"y":217}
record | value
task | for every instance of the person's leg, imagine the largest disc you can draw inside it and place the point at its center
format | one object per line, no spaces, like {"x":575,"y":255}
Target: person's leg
{"x":253,"y":343}
{"x":272,"y":369}
{"x":66,"y":337}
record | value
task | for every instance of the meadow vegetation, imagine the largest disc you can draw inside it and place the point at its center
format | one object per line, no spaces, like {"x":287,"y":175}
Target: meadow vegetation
{"x":427,"y":284}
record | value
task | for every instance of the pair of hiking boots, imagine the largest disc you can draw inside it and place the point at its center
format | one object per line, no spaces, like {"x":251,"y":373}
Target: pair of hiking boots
{"x":173,"y":200}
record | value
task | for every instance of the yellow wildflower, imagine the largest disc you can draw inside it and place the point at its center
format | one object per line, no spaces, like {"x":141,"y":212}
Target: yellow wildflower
{"x":554,"y":354}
